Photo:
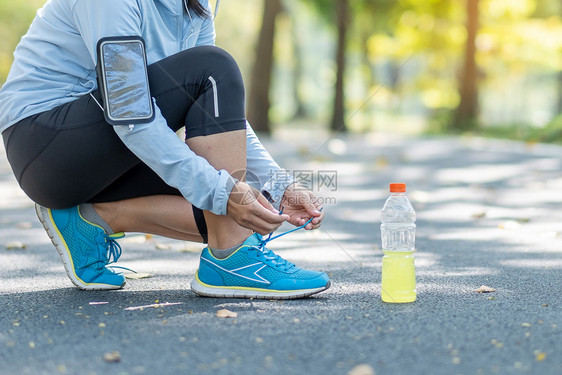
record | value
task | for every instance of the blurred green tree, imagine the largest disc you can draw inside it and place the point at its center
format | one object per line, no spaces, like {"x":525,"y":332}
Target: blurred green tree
{"x":260,"y":82}
{"x":298,"y":71}
{"x":338,"y":12}
{"x":15,"y":18}
{"x":466,"y":114}
{"x":343,"y":18}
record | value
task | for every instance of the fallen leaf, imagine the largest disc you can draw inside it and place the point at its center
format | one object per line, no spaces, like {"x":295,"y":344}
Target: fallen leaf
{"x":162,"y":246}
{"x":154,"y":305}
{"x":540,"y":356}
{"x":14,"y":245}
{"x":526,"y":325}
{"x":138,"y":275}
{"x":191,"y":247}
{"x":362,"y":369}
{"x":510,"y":224}
{"x":114,"y":356}
{"x":479,"y":215}
{"x":224,"y":313}
{"x":485,"y":289}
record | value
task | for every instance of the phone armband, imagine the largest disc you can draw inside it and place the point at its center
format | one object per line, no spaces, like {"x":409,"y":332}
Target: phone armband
{"x":123,"y":80}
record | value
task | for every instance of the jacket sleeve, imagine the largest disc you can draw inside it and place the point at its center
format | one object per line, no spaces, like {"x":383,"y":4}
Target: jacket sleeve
{"x":165,"y":153}
{"x":263,"y":172}
{"x":101,"y":18}
{"x":154,"y":143}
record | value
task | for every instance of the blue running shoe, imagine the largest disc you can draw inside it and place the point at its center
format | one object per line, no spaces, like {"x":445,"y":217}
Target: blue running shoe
{"x":253,"y":271}
{"x":85,"y":248}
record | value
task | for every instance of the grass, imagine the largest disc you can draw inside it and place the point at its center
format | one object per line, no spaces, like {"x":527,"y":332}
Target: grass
{"x":551,"y":133}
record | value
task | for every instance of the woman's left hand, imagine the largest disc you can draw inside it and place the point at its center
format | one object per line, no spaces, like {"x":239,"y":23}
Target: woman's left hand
{"x":301,"y":204}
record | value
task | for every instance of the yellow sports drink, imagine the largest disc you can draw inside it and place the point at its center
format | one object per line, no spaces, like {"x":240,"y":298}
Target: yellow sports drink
{"x":398,"y":277}
{"x":398,"y":230}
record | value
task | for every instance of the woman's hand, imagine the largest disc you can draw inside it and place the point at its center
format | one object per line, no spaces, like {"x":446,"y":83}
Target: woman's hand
{"x":250,"y":209}
{"x":301,"y":204}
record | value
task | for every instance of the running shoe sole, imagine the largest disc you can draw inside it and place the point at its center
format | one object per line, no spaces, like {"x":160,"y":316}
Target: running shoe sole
{"x":205,"y":290}
{"x":56,"y":238}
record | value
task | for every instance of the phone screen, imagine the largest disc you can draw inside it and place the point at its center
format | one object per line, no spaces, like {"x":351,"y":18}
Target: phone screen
{"x":127,"y":93}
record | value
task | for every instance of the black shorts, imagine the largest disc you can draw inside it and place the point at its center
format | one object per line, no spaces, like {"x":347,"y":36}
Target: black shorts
{"x":70,"y":155}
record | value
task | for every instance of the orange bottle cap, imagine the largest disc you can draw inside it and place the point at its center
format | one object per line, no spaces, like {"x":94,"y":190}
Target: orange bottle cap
{"x":398,"y":188}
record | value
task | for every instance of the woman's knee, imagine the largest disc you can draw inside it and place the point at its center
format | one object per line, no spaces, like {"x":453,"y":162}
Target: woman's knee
{"x":213,"y":55}
{"x":219,"y":64}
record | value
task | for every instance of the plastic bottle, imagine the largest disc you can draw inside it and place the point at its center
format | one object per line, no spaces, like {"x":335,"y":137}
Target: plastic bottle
{"x":398,"y":230}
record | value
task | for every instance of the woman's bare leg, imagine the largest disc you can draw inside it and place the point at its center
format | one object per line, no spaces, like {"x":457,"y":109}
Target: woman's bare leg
{"x":223,"y":151}
{"x":165,"y":215}
{"x":172,"y":216}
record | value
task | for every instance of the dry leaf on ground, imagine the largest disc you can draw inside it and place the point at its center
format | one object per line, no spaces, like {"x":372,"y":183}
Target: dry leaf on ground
{"x":478,"y":215}
{"x":154,"y":305}
{"x":14,"y":245}
{"x":114,"y":356}
{"x":485,"y":289}
{"x":510,"y":224}
{"x":190,"y":247}
{"x":162,"y":246}
{"x":362,"y":369}
{"x":138,"y":275}
{"x":224,"y":313}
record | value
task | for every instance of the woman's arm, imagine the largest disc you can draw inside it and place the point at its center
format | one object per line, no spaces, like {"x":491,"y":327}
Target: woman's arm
{"x":264,"y":173}
{"x":154,"y":143}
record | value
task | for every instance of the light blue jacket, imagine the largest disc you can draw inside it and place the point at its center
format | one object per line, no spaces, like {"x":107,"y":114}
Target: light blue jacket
{"x":54,"y":64}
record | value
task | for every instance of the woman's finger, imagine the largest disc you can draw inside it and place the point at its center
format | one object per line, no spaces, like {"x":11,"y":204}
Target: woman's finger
{"x":266,"y":204}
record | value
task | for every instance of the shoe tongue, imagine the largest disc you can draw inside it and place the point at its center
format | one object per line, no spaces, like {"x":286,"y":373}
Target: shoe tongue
{"x":254,"y":240}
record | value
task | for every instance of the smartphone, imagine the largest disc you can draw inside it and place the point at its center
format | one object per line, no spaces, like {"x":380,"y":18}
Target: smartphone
{"x":123,"y":80}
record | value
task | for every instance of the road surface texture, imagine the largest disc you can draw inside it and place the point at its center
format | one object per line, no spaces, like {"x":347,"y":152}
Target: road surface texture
{"x":489,"y":213}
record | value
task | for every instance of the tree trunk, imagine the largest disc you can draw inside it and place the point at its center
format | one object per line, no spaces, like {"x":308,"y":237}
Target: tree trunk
{"x":258,"y":99}
{"x":466,"y":114}
{"x":338,"y":121}
{"x":300,"y":110}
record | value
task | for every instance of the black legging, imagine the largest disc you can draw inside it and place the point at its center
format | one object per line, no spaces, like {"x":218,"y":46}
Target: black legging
{"x":70,"y":155}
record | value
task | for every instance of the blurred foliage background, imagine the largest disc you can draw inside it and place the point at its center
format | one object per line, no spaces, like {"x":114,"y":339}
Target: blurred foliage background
{"x":490,"y":67}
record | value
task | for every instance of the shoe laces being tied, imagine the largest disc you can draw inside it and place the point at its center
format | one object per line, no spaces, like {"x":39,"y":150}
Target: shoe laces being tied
{"x":270,"y":256}
{"x":109,"y":250}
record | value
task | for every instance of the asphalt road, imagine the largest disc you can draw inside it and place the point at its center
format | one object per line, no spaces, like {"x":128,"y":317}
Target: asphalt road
{"x":489,"y":213}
